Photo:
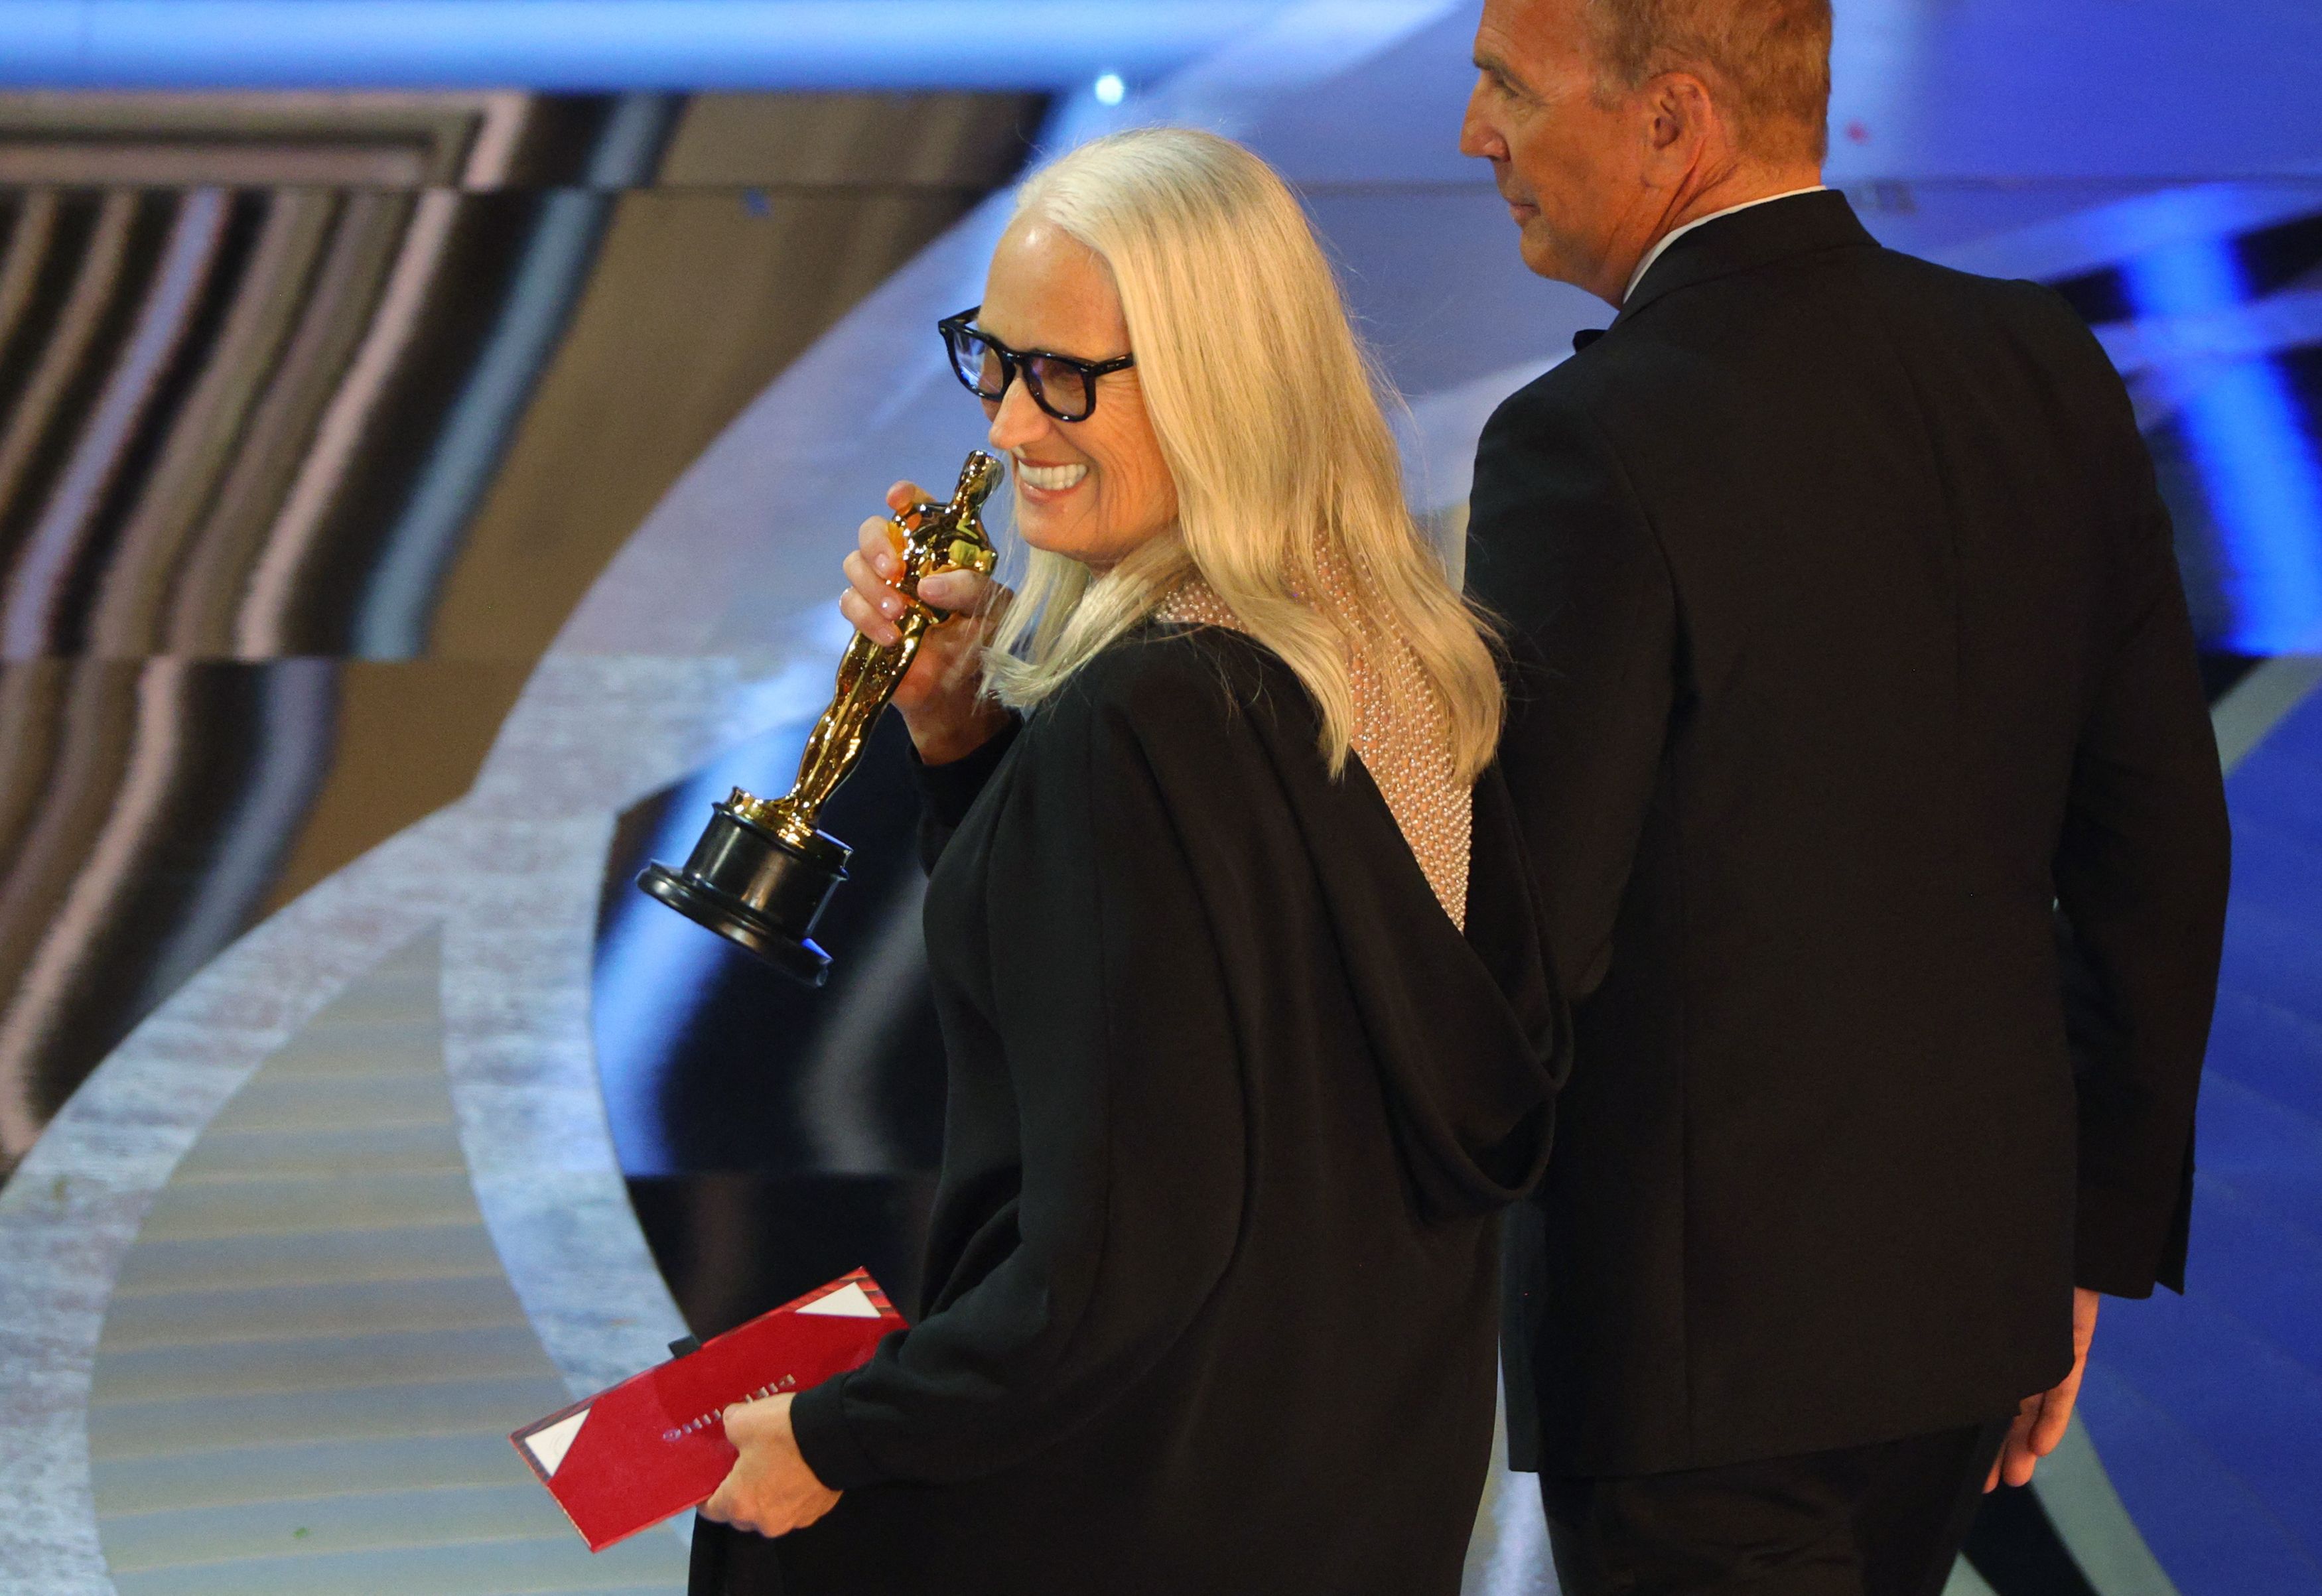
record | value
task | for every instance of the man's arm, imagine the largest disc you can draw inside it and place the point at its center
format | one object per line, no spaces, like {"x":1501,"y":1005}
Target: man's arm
{"x":1562,"y":553}
{"x":2141,"y":871}
{"x":2140,"y":874}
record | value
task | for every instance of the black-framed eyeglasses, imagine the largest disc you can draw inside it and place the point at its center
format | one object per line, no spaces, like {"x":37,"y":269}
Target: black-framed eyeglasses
{"x":1060,"y":384}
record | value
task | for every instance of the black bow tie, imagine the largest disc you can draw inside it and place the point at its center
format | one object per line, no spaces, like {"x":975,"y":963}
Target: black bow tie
{"x":1587,"y":336}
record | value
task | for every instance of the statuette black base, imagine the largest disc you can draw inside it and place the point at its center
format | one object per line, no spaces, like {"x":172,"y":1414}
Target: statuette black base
{"x":757,"y":890}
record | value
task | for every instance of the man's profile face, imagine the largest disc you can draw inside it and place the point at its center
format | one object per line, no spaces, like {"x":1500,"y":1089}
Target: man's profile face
{"x":1565,"y":159}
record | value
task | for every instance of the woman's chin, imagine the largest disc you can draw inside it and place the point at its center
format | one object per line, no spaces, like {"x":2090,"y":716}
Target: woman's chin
{"x":1044,"y":528}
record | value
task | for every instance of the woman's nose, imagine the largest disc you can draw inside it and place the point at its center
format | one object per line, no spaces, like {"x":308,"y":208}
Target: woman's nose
{"x":1018,"y":421}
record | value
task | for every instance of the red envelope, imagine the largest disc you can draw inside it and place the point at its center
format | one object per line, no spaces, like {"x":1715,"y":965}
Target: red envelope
{"x":655,"y":1445}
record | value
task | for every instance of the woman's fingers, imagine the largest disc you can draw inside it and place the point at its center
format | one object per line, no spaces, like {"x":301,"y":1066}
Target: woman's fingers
{"x":770,"y":1490}
{"x":875,"y":590}
{"x":861,"y":574}
{"x":873,"y":604}
{"x":723,"y":1508}
{"x":867,"y":620}
{"x":959,"y":591}
{"x":876,"y":543}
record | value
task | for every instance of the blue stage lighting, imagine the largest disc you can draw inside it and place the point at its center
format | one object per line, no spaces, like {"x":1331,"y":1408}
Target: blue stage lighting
{"x":1110,"y":90}
{"x":2242,"y":423}
{"x":603,"y":44}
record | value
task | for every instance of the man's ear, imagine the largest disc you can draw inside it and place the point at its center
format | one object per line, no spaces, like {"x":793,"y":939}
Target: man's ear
{"x":1685,"y":124}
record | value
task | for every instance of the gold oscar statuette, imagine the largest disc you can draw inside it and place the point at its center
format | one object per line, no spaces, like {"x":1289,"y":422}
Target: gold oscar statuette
{"x":763,"y":872}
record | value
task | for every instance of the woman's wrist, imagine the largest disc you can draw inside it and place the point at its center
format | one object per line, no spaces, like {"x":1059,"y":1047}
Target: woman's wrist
{"x":940,"y":738}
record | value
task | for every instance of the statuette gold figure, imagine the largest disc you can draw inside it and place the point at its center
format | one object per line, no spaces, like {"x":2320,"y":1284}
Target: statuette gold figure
{"x":763,"y":870}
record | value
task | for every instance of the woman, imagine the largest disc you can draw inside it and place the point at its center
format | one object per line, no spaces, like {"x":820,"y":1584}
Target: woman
{"x":1212,"y":1292}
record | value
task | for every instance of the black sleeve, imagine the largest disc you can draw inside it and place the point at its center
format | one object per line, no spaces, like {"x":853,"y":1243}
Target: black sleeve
{"x":947,"y":791}
{"x":1562,"y":553}
{"x":2141,"y":875}
{"x":1111,"y":1011}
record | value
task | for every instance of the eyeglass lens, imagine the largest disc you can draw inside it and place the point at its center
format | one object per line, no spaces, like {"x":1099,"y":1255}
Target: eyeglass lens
{"x":1062,"y":390}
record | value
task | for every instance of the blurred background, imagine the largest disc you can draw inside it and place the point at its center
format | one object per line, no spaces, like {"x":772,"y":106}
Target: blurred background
{"x":428,"y":432}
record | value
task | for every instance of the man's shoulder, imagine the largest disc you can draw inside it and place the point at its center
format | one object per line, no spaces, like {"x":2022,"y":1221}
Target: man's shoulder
{"x":1561,"y":403}
{"x":1705,"y":336}
{"x":1902,"y":289}
{"x":1938,"y":290}
{"x":1965,"y":321}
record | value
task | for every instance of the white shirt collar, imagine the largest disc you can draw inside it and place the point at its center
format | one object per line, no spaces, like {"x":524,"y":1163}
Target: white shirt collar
{"x":1675,"y":233}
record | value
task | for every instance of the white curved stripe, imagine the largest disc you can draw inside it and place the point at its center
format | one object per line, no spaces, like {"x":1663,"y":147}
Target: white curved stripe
{"x":2260,"y":701}
{"x":1965,"y":1582}
{"x":1439,"y":441}
{"x":71,"y":1210}
{"x":2089,"y":1519}
{"x":251,"y":1433}
{"x":1508,"y":1553}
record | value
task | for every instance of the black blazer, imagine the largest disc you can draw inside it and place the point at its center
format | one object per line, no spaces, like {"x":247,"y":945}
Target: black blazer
{"x":1850,"y":643}
{"x":1212,"y":1285}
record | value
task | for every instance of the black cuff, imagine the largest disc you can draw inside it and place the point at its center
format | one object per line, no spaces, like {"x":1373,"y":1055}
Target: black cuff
{"x":949,"y":791}
{"x":818,"y":1423}
{"x":2124,"y":1247}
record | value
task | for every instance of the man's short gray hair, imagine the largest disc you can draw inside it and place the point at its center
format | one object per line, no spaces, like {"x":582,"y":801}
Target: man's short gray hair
{"x":1767,"y":61}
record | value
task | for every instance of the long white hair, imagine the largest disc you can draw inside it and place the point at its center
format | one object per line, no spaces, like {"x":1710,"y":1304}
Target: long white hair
{"x":1268,"y":413}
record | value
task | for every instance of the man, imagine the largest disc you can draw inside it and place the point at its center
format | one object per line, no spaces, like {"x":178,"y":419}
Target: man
{"x":1854,"y":697}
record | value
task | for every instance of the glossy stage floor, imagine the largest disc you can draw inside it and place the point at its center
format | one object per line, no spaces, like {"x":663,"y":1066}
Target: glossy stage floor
{"x":357,"y":1109}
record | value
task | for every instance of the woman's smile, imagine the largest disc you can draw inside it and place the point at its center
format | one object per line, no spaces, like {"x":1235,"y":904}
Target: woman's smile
{"x":1046,"y":484}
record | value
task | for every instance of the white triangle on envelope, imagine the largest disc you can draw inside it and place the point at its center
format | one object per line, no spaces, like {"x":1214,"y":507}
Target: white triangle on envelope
{"x":850,"y":1301}
{"x":551,"y":1444}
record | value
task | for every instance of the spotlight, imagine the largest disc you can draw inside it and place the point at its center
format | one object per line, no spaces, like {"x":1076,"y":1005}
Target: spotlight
{"x":1109,"y":89}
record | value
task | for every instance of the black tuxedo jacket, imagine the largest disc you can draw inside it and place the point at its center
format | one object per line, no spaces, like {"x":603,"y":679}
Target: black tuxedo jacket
{"x":1853,"y":698}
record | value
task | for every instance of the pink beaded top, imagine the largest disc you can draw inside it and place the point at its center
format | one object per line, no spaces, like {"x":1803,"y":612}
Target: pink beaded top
{"x":1402,"y":736}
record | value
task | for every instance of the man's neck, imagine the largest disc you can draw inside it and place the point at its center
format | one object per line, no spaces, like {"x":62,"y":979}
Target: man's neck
{"x":1738,"y":188}
{"x":1742,"y":186}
